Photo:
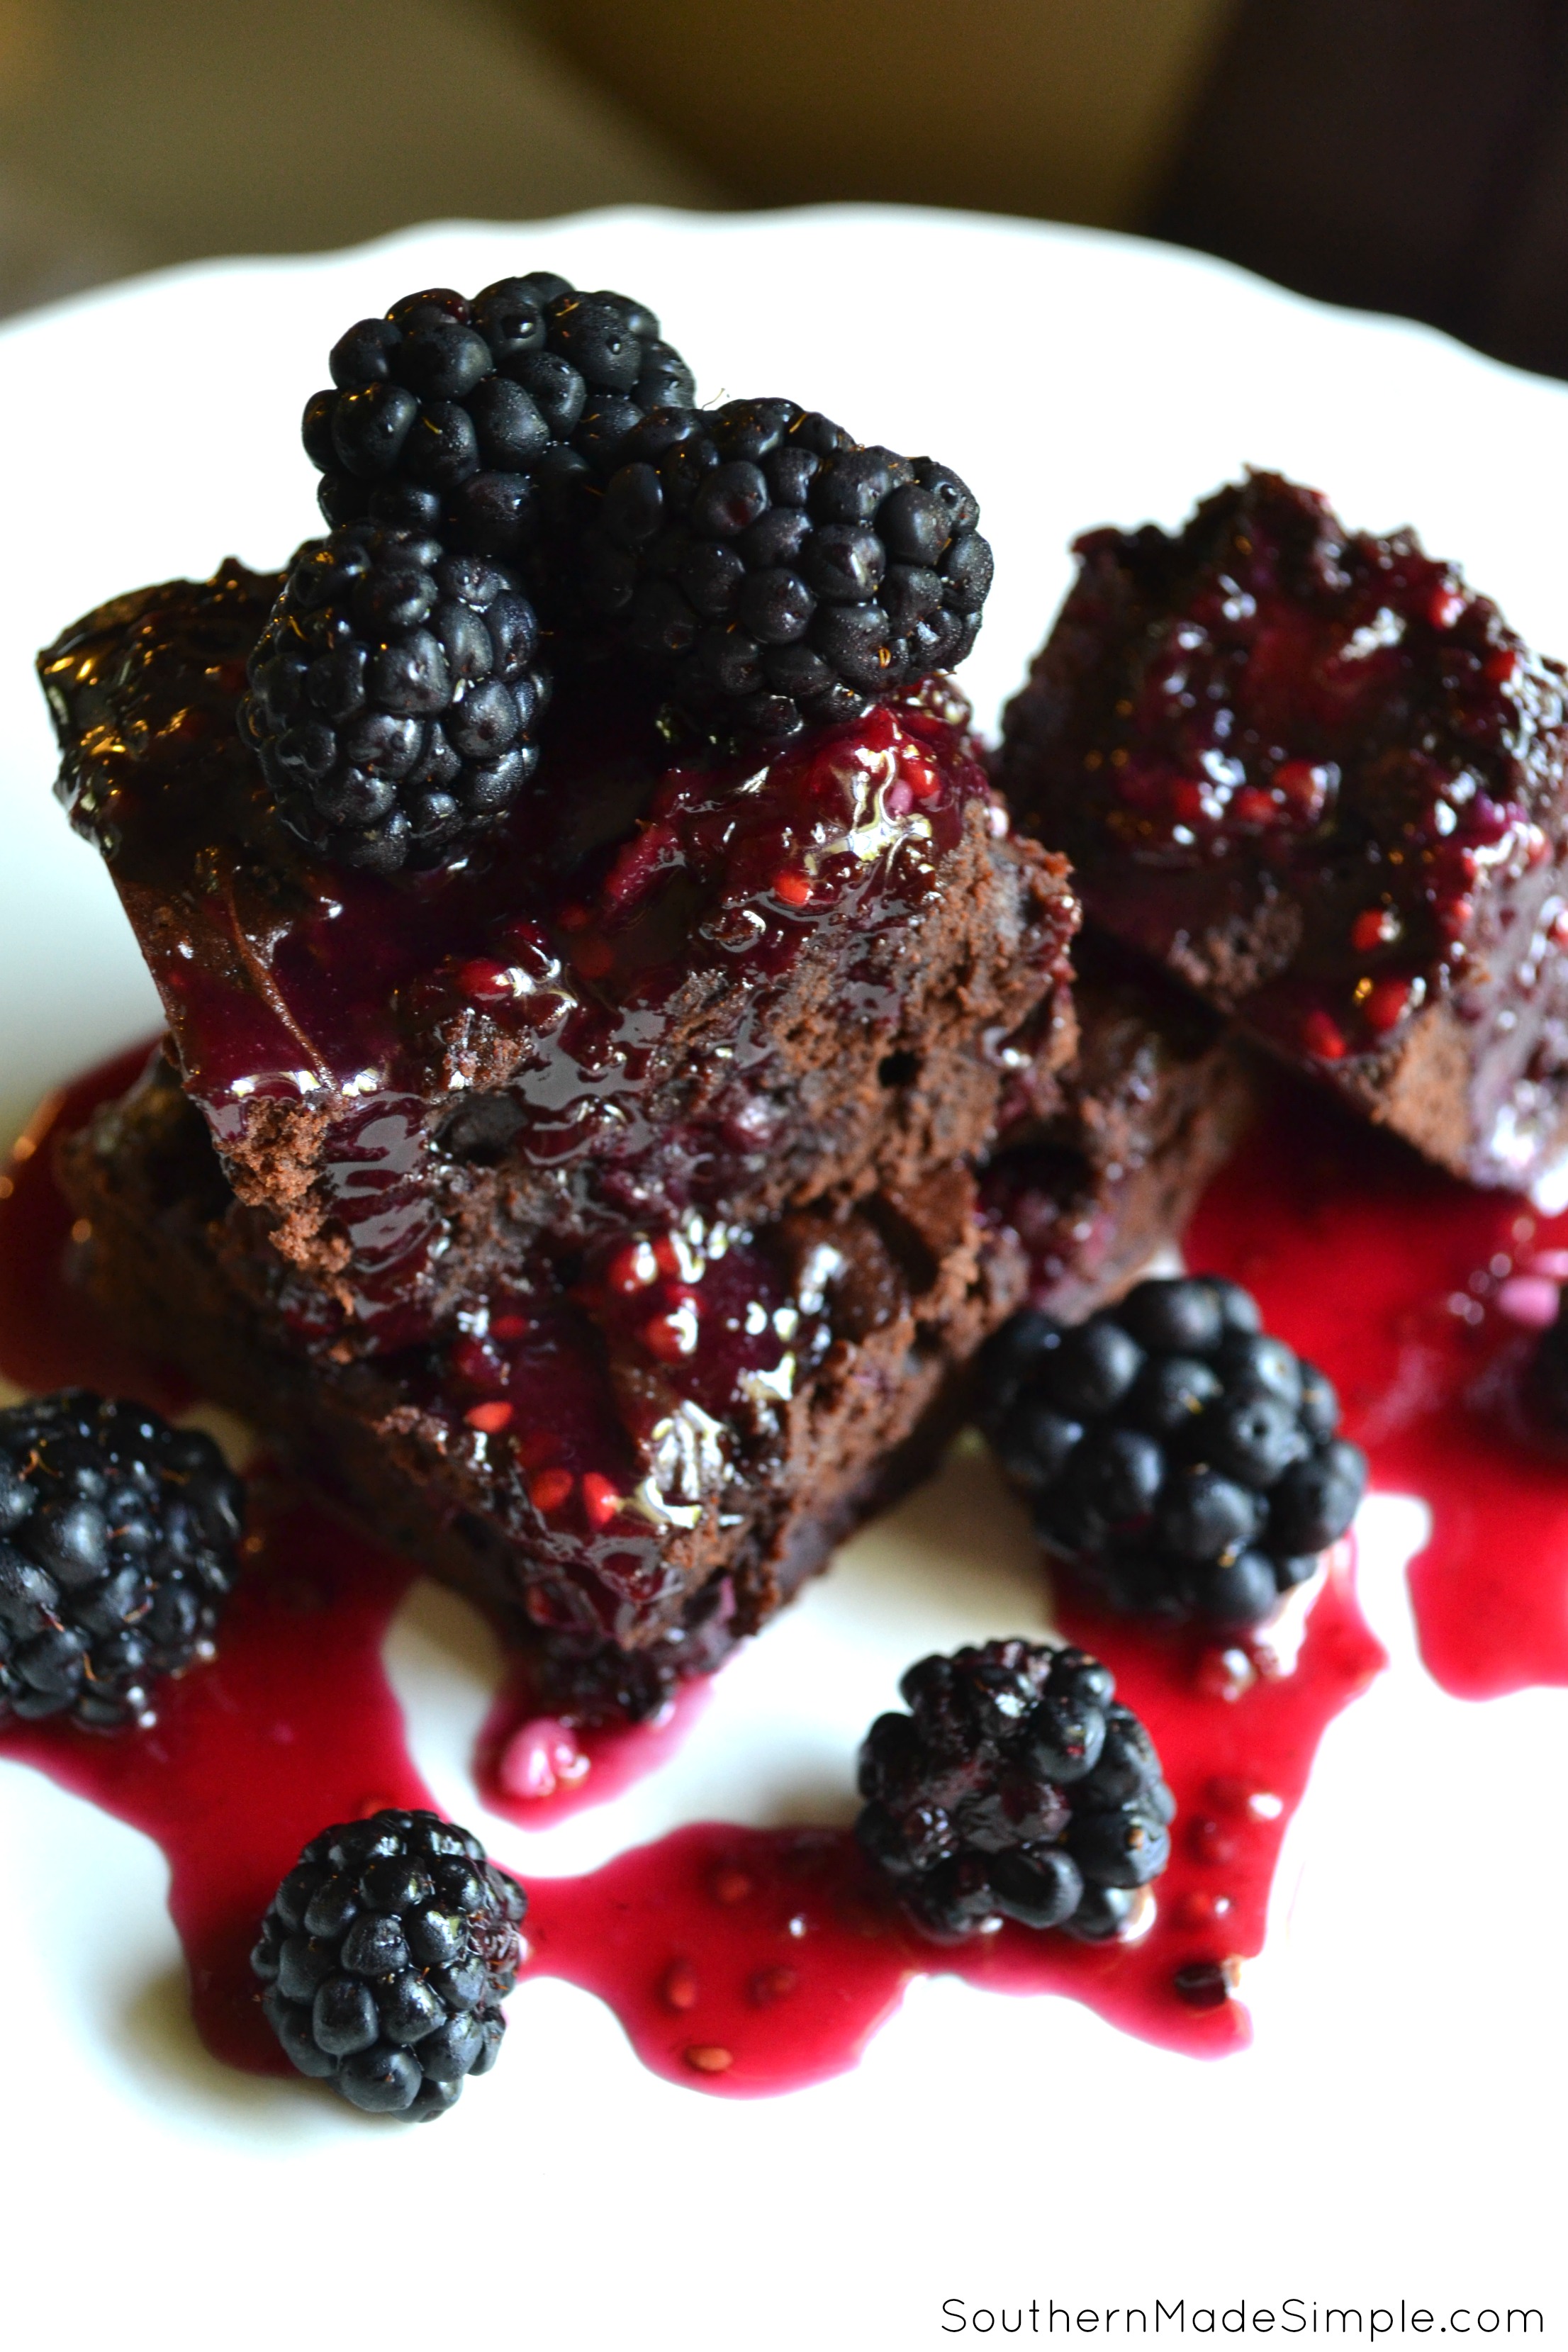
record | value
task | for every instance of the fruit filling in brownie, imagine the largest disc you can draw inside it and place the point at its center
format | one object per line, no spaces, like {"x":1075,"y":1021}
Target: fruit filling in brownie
{"x":1318,"y":778}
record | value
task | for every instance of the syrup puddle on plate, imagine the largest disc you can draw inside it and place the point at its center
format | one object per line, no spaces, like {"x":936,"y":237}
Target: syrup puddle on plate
{"x":1420,"y":1298}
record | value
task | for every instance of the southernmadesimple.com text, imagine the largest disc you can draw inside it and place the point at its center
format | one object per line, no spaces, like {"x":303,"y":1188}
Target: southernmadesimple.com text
{"x":1293,"y":2315}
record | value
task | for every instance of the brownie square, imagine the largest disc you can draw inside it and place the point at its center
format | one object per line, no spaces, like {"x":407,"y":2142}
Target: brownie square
{"x":1319,"y":780}
{"x":676,"y":983}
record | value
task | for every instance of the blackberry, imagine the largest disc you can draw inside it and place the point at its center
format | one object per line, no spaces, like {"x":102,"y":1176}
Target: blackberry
{"x":776,"y":573}
{"x":1181,"y":1462}
{"x":1018,"y":1788}
{"x":118,"y":1539}
{"x":394,"y":698}
{"x":479,"y":419}
{"x":385,"y":1953}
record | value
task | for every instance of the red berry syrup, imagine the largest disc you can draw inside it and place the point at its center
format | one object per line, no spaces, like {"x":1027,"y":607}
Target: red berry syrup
{"x":1421,"y":1299}
{"x":742,"y":1961}
{"x":537,"y":1770}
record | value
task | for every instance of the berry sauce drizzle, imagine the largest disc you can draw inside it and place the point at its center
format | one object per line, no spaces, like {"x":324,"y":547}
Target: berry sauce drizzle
{"x":537,"y":1770}
{"x":738,"y":1961}
{"x":1421,"y":1299}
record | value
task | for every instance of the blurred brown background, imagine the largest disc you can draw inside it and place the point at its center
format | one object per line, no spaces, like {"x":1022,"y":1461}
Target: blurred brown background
{"x":1403,"y":155}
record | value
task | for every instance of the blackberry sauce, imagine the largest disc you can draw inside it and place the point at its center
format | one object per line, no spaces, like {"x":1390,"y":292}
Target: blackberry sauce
{"x":537,"y":1770}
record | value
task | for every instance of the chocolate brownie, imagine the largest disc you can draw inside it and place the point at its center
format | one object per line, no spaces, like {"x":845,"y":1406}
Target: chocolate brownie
{"x":638,"y":1510}
{"x":1316,"y":778}
{"x":677,"y":983}
{"x":1158,"y":1094}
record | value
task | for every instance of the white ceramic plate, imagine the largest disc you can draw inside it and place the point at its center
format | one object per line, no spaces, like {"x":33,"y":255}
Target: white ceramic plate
{"x":1393,"y":2133}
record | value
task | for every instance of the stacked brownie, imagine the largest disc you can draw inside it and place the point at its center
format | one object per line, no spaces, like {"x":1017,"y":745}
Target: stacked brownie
{"x":612,"y":1241}
{"x":621,"y":1063}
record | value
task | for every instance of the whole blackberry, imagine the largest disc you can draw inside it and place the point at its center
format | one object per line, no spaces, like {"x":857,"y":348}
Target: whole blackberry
{"x":778,"y":574}
{"x":394,"y":697}
{"x":478,"y":419}
{"x":1180,"y":1460}
{"x":1015,"y":1788}
{"x":385,"y":1954}
{"x":118,"y":1542}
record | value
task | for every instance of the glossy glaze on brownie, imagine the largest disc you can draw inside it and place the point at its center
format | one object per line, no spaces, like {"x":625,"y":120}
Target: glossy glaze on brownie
{"x":676,"y":983}
{"x":642,"y":1452}
{"x":1321,"y":782}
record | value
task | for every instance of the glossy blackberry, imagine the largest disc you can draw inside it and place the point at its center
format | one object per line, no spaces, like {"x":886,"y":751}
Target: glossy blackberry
{"x":1018,"y":1788}
{"x":478,"y":419}
{"x":385,"y":1953}
{"x":118,"y":1539}
{"x":394,"y":697}
{"x":1181,"y":1462}
{"x":778,"y":574}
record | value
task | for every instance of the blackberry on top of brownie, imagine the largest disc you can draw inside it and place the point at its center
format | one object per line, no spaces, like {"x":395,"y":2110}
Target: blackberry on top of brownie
{"x":1319,"y":779}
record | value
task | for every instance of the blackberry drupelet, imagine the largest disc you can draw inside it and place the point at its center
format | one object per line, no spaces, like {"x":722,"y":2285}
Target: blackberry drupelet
{"x":1181,"y":1462}
{"x":1018,"y":1788}
{"x":778,"y":574}
{"x":118,"y":1539}
{"x":385,"y":1953}
{"x":479,"y":419}
{"x":394,"y":697}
